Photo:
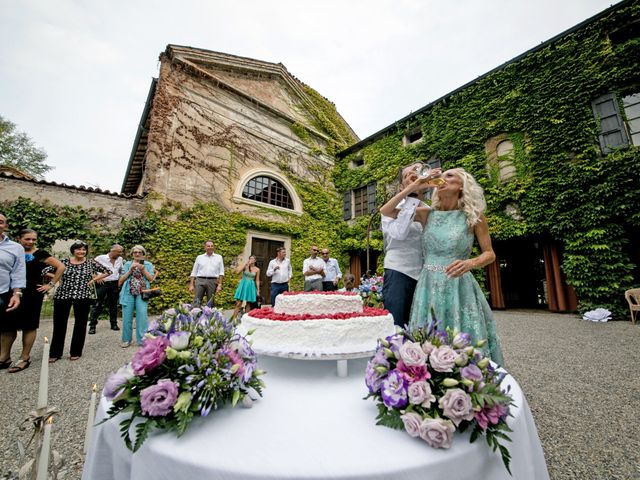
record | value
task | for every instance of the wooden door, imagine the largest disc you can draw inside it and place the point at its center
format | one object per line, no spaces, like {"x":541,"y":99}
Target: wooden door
{"x":264,"y":250}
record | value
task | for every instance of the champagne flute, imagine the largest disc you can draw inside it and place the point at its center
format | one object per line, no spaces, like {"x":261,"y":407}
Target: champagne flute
{"x":433,"y":180}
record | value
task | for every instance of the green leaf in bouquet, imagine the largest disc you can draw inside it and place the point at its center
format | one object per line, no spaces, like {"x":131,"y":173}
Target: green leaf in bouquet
{"x":142,"y":432}
{"x":183,"y":419}
{"x":475,"y":434}
{"x":235,"y":398}
{"x":389,"y":418}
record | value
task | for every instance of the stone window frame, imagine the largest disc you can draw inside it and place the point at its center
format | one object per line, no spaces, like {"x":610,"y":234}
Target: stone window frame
{"x":407,"y":139}
{"x":262,"y":172}
{"x":356,"y":162}
{"x":360,"y":201}
{"x":502,"y":163}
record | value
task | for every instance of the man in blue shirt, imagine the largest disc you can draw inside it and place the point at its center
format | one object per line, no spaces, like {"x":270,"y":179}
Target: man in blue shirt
{"x":12,"y":280}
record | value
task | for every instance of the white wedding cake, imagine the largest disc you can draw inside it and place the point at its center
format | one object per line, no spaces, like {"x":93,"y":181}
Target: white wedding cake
{"x":316,"y":324}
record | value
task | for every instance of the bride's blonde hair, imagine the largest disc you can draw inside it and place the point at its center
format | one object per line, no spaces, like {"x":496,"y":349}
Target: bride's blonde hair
{"x":471,"y":200}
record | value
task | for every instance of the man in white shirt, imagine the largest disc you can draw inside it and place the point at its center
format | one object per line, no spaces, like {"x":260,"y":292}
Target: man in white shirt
{"x":206,"y":275}
{"x":280,"y":272}
{"x":13,"y":279}
{"x":332,"y":272}
{"x":313,"y":271}
{"x":402,"y":236}
{"x":107,"y":288}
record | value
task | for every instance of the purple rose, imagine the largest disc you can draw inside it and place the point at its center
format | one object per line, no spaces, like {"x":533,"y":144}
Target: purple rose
{"x":150,"y":355}
{"x":443,"y":358}
{"x":394,"y":390}
{"x":412,"y":423}
{"x":420,"y":394}
{"x":116,"y":381}
{"x":158,"y":400}
{"x":412,"y":354}
{"x":461,"y":340}
{"x":456,"y":405}
{"x":471,"y":372}
{"x":437,"y":432}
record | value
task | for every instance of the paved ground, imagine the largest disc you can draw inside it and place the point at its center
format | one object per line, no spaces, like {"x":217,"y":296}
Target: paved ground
{"x":580,"y":378}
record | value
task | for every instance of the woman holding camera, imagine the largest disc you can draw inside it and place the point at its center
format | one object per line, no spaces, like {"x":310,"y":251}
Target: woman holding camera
{"x":137,"y":276}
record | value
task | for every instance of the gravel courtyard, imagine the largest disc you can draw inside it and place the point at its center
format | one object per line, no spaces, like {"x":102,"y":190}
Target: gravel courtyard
{"x":580,"y":379}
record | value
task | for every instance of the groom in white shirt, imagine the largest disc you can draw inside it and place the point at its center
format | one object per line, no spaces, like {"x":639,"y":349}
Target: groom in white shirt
{"x":279,"y":271}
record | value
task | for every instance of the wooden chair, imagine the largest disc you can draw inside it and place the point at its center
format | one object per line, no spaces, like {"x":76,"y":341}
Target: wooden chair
{"x":633,"y":298}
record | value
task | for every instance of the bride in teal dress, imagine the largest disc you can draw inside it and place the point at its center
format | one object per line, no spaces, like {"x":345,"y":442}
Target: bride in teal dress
{"x":249,"y":285}
{"x":446,"y":284}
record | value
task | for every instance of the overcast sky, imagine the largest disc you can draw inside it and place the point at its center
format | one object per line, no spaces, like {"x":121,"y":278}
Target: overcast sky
{"x":74,"y":75}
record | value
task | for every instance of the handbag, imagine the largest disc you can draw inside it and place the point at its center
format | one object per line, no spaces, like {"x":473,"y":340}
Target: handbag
{"x":150,"y":293}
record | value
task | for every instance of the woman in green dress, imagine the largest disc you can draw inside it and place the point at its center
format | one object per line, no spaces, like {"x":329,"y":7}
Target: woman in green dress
{"x":249,"y":285}
{"x":446,"y":284}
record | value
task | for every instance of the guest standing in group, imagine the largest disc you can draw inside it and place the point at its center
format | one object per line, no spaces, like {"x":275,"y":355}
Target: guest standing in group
{"x":349,"y":283}
{"x":402,"y":235}
{"x":332,"y":273}
{"x":313,"y":271}
{"x":249,"y":285}
{"x":137,"y":275}
{"x":446,"y":284}
{"x":280,"y":272}
{"x":206,"y":275}
{"x":107,"y":289}
{"x":77,"y":290}
{"x":12,"y":281}
{"x":27,"y":317}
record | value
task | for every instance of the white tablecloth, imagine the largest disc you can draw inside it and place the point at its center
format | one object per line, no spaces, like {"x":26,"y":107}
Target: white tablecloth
{"x":310,"y":424}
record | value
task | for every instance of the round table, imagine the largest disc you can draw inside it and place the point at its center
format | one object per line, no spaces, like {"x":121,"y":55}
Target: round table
{"x":310,"y":424}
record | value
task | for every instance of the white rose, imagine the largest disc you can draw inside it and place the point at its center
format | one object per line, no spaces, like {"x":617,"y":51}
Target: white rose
{"x":412,"y":422}
{"x":412,"y":354}
{"x":420,"y":394}
{"x":179,"y":340}
{"x":443,"y":358}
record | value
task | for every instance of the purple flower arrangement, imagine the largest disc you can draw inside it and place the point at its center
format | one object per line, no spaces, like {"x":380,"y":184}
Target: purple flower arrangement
{"x":191,"y":362}
{"x":432,"y":383}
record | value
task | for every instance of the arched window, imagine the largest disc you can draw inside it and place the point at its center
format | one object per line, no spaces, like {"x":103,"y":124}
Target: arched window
{"x":267,"y":190}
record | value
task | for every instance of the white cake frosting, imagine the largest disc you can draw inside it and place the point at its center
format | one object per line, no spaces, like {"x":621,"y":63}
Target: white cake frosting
{"x":286,"y":333}
{"x":317,"y":303}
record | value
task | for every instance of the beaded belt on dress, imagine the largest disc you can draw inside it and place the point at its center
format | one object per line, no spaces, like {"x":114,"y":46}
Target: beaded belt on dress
{"x":432,"y":267}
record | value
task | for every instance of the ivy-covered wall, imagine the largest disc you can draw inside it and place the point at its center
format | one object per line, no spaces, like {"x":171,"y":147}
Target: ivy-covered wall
{"x":564,"y":188}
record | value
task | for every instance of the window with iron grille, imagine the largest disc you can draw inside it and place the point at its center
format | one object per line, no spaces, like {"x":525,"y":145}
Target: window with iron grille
{"x":267,"y":190}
